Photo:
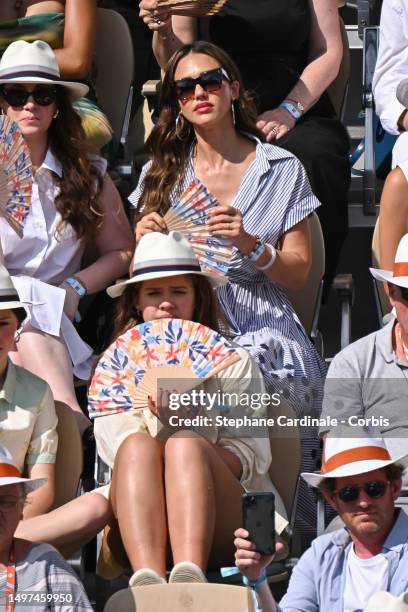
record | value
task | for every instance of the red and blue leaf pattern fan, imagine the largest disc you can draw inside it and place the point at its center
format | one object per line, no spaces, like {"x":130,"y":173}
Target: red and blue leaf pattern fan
{"x":162,"y":350}
{"x":15,"y":175}
{"x":190,"y":217}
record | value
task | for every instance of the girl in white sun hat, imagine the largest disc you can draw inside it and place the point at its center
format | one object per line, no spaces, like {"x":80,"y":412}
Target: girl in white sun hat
{"x":73,"y":205}
{"x":208,"y":469}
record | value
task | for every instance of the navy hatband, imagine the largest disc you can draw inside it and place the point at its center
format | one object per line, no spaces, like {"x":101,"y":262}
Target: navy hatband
{"x":29,"y":73}
{"x":167,"y":268}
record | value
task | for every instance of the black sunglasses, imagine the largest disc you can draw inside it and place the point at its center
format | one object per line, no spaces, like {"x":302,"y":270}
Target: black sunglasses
{"x":210,"y":81}
{"x":374,"y":489}
{"x":15,"y":96}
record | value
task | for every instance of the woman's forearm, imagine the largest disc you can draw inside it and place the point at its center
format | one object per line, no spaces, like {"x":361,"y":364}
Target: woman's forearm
{"x":40,"y":501}
{"x":106,"y":270}
{"x":315,"y":79}
{"x":165,"y":43}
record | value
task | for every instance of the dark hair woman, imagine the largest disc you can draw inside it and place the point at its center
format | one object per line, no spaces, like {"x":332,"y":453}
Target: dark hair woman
{"x":73,"y":203}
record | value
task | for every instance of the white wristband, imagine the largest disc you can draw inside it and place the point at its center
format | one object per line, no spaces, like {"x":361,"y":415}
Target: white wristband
{"x":270,"y":261}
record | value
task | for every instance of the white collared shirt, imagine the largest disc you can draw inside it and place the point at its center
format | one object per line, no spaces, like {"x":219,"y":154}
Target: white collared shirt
{"x":392,"y":62}
{"x":42,"y":253}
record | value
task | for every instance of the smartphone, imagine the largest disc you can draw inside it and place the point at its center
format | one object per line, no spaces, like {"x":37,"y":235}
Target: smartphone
{"x":258,"y":511}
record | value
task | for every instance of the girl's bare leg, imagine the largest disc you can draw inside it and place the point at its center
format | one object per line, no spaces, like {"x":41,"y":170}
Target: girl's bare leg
{"x":203,"y":500}
{"x":48,"y":357}
{"x":70,"y":526}
{"x":393,"y":218}
{"x":137,"y":495}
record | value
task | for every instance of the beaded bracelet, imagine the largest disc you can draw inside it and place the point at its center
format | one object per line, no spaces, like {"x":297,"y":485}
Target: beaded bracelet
{"x":254,"y":584}
{"x":257,"y":251}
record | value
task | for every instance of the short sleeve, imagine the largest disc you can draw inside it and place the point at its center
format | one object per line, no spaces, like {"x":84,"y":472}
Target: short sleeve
{"x":301,"y":201}
{"x":134,"y":197}
{"x":44,"y":439}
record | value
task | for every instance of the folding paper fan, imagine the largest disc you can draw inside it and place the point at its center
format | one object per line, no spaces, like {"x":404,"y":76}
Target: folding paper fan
{"x":15,"y":175}
{"x":166,"y":351}
{"x":190,"y":217}
{"x":193,"y":8}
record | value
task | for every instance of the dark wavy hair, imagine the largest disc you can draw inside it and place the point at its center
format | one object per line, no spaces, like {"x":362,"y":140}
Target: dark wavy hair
{"x":81,"y":183}
{"x":206,"y":309}
{"x":169,"y":145}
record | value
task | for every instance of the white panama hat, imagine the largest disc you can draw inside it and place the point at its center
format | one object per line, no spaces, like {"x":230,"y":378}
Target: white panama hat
{"x":35,"y":62}
{"x":399,"y":274}
{"x":159,"y":255}
{"x":349,"y":451}
{"x":8,"y":295}
{"x":9,"y":474}
{"x":385,"y":602}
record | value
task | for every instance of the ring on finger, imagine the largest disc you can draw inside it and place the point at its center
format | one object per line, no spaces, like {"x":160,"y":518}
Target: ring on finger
{"x":274,"y":130}
{"x":157,"y":20}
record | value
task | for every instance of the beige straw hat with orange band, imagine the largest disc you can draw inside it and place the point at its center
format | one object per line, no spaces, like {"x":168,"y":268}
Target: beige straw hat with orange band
{"x":349,"y":451}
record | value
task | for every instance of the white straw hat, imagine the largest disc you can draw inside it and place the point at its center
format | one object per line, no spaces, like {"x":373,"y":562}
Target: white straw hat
{"x":8,"y":295}
{"x":345,"y":455}
{"x":35,"y":62}
{"x":399,"y":274}
{"x":9,"y":474}
{"x":159,"y":255}
{"x":385,"y":602}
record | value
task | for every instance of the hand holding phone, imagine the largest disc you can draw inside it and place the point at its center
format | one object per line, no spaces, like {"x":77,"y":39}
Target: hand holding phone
{"x":258,"y":511}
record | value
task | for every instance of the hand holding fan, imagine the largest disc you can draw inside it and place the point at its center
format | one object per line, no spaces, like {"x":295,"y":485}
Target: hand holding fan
{"x":190,"y":217}
{"x":15,"y":175}
{"x":160,"y":350}
{"x":193,"y":8}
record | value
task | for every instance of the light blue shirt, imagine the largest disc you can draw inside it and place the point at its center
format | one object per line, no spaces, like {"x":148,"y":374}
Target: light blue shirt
{"x":318,"y":580}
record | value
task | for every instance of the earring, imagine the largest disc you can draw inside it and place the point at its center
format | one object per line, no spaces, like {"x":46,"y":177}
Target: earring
{"x":233,"y":112}
{"x":179,"y":125}
{"x":16,"y":337}
{"x":2,"y":111}
{"x":178,"y":121}
{"x":55,"y":115}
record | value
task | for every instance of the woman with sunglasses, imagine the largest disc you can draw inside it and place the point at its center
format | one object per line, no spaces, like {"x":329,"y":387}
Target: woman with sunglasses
{"x":288,"y":53}
{"x":68,"y":26}
{"x":206,"y":129}
{"x":74,"y":204}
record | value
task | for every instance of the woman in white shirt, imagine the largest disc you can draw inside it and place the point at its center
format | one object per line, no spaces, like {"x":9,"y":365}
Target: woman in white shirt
{"x":73,"y":204}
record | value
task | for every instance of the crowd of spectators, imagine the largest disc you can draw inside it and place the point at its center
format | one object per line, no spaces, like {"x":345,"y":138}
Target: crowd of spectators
{"x":244,"y":109}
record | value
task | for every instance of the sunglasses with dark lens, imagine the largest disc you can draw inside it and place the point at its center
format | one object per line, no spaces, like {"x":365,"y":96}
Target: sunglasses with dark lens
{"x":210,"y":81}
{"x":375,"y":490}
{"x":44,"y":96}
{"x":404,"y":294}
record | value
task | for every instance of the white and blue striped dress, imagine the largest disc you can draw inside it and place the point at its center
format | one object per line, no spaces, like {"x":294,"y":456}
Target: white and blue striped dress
{"x":274,"y":196}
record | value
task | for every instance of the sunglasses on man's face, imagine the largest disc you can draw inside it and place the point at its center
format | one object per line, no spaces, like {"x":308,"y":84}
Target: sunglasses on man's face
{"x":15,"y":96}
{"x":210,"y":81}
{"x":374,"y":489}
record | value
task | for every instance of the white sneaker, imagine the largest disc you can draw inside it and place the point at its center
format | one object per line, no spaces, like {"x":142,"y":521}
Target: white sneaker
{"x":186,"y":571}
{"x":144,"y":577}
